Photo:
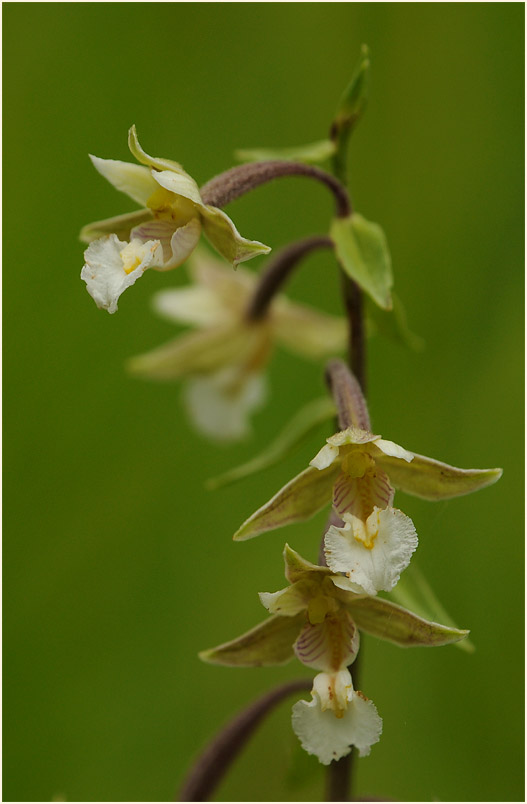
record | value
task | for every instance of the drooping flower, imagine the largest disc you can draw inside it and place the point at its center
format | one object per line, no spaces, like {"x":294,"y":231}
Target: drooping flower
{"x":224,"y":358}
{"x":318,"y":621}
{"x":358,"y":472}
{"x":161,"y":235}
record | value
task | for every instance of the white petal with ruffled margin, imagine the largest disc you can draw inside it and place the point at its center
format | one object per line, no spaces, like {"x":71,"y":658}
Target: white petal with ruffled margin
{"x":134,"y":180}
{"x":219,"y":405}
{"x":104,"y":271}
{"x":371,"y":554}
{"x":329,"y":737}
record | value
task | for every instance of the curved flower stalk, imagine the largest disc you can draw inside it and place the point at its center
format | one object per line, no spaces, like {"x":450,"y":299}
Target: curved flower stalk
{"x":162,"y":234}
{"x":317,"y":621}
{"x":224,"y":359}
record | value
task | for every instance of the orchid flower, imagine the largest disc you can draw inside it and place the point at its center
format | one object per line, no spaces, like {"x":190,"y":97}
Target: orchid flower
{"x":358,"y":473}
{"x":318,"y":621}
{"x":161,"y":235}
{"x":223,"y":360}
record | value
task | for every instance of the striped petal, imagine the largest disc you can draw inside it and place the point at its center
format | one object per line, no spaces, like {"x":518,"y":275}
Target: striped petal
{"x":330,"y":645}
{"x":178,"y":242}
{"x":360,"y":495}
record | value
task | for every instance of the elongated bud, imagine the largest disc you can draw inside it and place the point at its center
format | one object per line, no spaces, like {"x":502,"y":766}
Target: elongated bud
{"x":349,"y":399}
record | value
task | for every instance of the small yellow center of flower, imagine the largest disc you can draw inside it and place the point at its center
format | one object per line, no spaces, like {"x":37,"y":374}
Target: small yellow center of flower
{"x":171,"y":207}
{"x":356,"y":462}
{"x":366,"y":532}
{"x":132,"y":255}
{"x":333,"y":690}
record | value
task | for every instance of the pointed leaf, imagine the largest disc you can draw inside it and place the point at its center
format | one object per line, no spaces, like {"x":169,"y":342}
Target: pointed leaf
{"x":297,"y":501}
{"x":310,"y":154}
{"x":301,"y":426}
{"x":393,"y":324}
{"x":354,"y":99}
{"x":414,"y":592}
{"x":362,"y":251}
{"x":434,"y":480}
{"x":386,"y":620}
{"x":267,"y":644}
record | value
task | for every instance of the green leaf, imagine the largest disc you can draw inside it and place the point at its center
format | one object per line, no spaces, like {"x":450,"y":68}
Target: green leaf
{"x":391,"y":622}
{"x":362,"y":251}
{"x":393,"y":324}
{"x":310,"y":154}
{"x":434,"y":480}
{"x":297,"y":501}
{"x":267,"y":644}
{"x":301,"y":426}
{"x":414,"y":592}
{"x":353,"y":102}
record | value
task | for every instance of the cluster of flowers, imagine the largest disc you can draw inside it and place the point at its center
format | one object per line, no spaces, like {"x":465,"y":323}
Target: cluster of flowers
{"x":318,"y":617}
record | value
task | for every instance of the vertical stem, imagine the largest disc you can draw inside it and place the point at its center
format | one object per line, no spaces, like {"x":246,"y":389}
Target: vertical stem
{"x":340,"y":774}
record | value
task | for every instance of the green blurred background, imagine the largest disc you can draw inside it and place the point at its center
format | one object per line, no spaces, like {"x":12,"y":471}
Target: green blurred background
{"x":118,"y":564}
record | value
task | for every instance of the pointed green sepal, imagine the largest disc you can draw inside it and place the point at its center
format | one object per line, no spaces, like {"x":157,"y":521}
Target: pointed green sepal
{"x":296,"y":566}
{"x":313,"y":153}
{"x":414,"y":592}
{"x":301,"y":426}
{"x":393,"y":324}
{"x":267,"y":644}
{"x":434,"y":480}
{"x":297,"y":501}
{"x":362,"y":251}
{"x":391,"y":622}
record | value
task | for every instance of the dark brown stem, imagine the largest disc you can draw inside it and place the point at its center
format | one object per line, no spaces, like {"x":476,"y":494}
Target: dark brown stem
{"x":278,"y":271}
{"x":237,"y":181}
{"x":349,"y":400}
{"x":353,"y":302}
{"x":210,"y":767}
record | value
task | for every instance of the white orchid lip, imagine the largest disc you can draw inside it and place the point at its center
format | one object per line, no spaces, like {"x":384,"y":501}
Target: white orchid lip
{"x":113,"y":265}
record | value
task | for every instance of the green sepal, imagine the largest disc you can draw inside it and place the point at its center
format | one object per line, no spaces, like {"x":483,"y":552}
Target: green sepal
{"x":314,"y":152}
{"x":298,"y":500}
{"x":119,"y":225}
{"x":296,"y":567}
{"x":433,"y":480}
{"x":414,"y":592}
{"x":301,"y":426}
{"x":362,"y":251}
{"x":385,"y":620}
{"x":392,"y":324}
{"x":267,"y":644}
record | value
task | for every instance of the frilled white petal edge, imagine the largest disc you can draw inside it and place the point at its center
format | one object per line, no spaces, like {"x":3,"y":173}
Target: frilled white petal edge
{"x":371,"y":554}
{"x":104,"y":271}
{"x":219,"y":405}
{"x":178,"y":242}
{"x":329,"y":737}
{"x":134,"y":180}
